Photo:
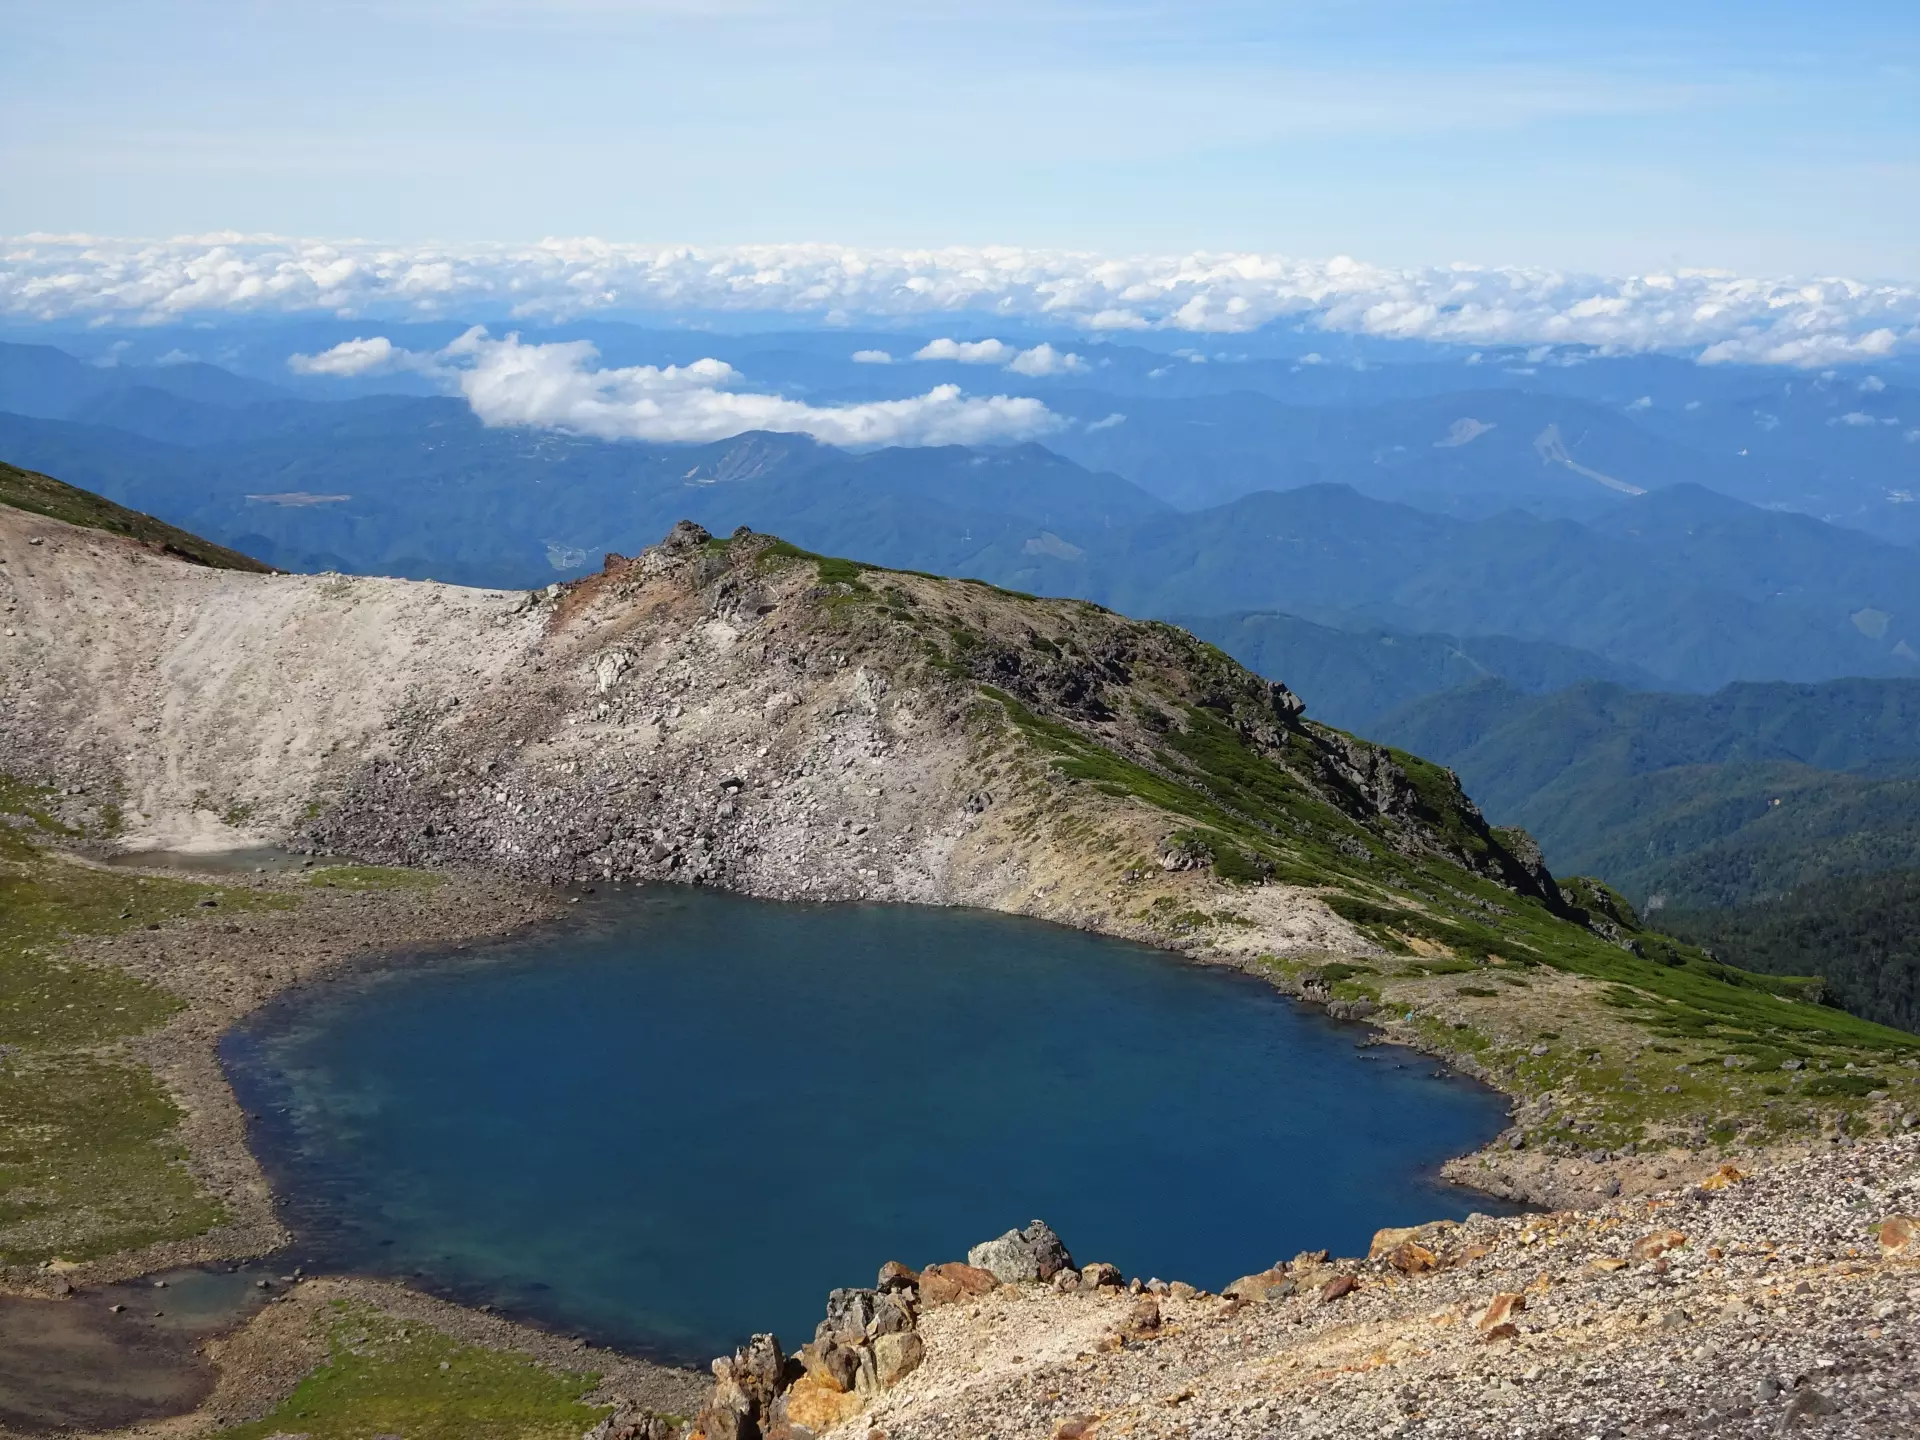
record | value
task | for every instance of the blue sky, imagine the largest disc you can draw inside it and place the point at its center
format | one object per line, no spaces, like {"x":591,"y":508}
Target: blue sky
{"x":1763,"y":137}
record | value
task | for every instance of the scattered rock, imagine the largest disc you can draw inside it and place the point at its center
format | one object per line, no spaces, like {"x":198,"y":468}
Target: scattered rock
{"x":1897,"y":1234}
{"x":1338,"y":1288}
{"x":1651,"y":1247}
{"x":1502,"y":1308}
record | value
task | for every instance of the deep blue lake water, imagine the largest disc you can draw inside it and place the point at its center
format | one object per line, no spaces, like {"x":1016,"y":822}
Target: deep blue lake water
{"x":684,"y":1116}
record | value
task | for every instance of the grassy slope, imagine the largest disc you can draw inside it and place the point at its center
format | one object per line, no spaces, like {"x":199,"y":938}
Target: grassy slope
{"x":43,"y":495}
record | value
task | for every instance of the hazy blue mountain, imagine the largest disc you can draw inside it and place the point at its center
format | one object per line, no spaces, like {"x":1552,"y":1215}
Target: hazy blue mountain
{"x":418,"y":487}
{"x":1641,"y":593}
{"x":1689,"y":800}
{"x":44,"y":381}
{"x":1470,"y":452}
{"x":1352,"y":677}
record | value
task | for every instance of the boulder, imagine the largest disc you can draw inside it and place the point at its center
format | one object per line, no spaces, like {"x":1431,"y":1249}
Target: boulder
{"x":1035,"y":1253}
{"x":943,"y":1284}
{"x":895,"y":1276}
{"x":897,"y":1356}
{"x":1274,"y":1284}
{"x":1099,"y":1274}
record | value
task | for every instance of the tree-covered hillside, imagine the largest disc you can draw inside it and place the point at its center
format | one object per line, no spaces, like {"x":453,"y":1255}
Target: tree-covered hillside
{"x":1861,"y":933}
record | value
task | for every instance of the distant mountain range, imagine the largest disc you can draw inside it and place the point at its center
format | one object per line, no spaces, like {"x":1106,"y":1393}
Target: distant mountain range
{"x":1680,"y":587}
{"x":1351,"y":678}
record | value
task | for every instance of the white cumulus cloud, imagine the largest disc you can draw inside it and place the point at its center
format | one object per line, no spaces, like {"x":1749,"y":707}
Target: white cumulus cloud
{"x":375,"y":355}
{"x":967,"y":352}
{"x":872,"y":357}
{"x":1043,"y":359}
{"x":562,"y":386}
{"x":1721,"y":317}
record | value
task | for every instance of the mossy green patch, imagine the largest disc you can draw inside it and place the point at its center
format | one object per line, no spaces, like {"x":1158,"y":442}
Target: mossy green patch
{"x":89,"y":1162}
{"x":89,"y":1159}
{"x":384,"y":1376}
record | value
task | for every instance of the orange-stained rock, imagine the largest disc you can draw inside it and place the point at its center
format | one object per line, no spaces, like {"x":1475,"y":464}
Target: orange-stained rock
{"x":1723,"y":1177}
{"x":1502,"y":1308}
{"x":943,"y":1284}
{"x":1505,"y":1330}
{"x":1412,"y":1258}
{"x":1606,"y":1265}
{"x":1651,"y":1247}
{"x":1897,"y":1235}
{"x":810,"y":1403}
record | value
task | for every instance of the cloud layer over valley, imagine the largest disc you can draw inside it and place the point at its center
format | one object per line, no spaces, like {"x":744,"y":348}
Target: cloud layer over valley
{"x":1720,"y":317}
{"x":561,"y":386}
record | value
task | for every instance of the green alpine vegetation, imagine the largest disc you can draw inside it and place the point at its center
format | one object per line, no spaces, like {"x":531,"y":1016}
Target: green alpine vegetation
{"x":1691,"y":800}
{"x":1860,"y":933}
{"x":89,"y":1162}
{"x":386,"y":1376}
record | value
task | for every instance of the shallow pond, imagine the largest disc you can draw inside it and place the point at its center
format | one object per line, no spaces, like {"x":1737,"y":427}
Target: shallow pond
{"x":684,"y":1116}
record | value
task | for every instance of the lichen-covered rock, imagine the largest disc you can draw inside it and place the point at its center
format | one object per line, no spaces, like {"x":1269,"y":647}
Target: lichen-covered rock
{"x":1035,"y":1253}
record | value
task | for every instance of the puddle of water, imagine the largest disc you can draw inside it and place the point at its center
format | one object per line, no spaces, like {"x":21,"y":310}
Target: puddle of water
{"x":82,"y":1364}
{"x":249,"y":860}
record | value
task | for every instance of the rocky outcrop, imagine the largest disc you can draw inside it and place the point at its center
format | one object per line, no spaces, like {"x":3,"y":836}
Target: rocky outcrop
{"x":1034,"y":1253}
{"x":869,"y":1340}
